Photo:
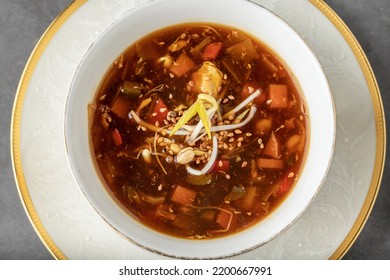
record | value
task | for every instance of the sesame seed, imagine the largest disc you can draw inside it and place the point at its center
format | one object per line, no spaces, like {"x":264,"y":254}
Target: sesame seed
{"x":240,"y":139}
{"x":291,"y":175}
{"x":143,"y":128}
{"x":220,"y":163}
{"x":239,"y":144}
{"x":237,"y":131}
{"x":226,"y":100}
{"x":227,"y":176}
{"x":269,"y":101}
{"x":248,"y":134}
{"x":231,"y":97}
{"x":244,"y":164}
{"x":162,"y":110}
{"x":170,"y":96}
{"x":154,"y":114}
{"x":157,"y":123}
{"x":171,"y":75}
{"x":231,"y":134}
{"x":231,"y":140}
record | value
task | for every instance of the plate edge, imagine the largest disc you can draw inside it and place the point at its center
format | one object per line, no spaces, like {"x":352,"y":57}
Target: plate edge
{"x":21,"y":91}
{"x":380,"y":127}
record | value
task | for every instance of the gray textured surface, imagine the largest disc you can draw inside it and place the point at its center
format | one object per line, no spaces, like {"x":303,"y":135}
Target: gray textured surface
{"x":22,"y":22}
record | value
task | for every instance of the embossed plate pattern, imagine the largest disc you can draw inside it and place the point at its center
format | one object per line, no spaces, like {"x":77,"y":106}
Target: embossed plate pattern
{"x":71,"y":229}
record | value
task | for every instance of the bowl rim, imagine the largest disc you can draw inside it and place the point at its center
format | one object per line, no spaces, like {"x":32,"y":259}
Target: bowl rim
{"x":101,"y":213}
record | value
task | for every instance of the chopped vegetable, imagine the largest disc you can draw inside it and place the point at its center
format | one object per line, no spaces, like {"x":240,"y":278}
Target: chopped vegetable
{"x":177,"y":45}
{"x":278,"y":96}
{"x":212,"y":51}
{"x":251,"y":87}
{"x":263,"y":126}
{"x":183,"y":195}
{"x":247,"y":201}
{"x":244,"y":51}
{"x":182,"y":65}
{"x":285,"y":185}
{"x":152,"y":199}
{"x":198,"y":48}
{"x":116,"y":136}
{"x":163,"y":211}
{"x":293,"y":142}
{"x":269,"y":64}
{"x":272,"y":148}
{"x":270,"y":163}
{"x":201,"y":180}
{"x":121,"y":106}
{"x":159,"y":112}
{"x":224,"y":219}
{"x":221,"y":165}
{"x":132,"y":89}
{"x":236,"y":193}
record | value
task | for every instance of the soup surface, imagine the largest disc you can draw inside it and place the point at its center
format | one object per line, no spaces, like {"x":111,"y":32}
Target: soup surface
{"x":199,"y":130}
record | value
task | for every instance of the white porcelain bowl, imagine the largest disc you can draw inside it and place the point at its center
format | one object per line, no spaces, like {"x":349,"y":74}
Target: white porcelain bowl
{"x":244,"y":15}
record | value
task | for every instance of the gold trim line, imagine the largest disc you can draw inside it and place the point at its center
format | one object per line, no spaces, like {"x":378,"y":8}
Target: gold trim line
{"x":16,"y":125}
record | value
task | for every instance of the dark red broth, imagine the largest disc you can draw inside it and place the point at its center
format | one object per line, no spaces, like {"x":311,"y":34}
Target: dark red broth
{"x":174,"y":148}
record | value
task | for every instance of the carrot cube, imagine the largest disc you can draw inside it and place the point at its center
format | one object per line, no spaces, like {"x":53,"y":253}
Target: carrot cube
{"x":270,"y":163}
{"x":224,"y":219}
{"x":272,"y":148}
{"x":182,"y":65}
{"x":278,"y":96}
{"x":183,"y":195}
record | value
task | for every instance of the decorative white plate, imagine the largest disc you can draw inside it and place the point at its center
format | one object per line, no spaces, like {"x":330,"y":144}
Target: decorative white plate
{"x":71,"y":229}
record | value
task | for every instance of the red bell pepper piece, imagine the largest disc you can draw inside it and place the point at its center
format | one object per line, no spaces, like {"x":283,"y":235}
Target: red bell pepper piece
{"x":212,"y":51}
{"x":251,"y":87}
{"x":117,"y":137}
{"x":285,"y":185}
{"x":159,"y":112}
{"x":221,"y":165}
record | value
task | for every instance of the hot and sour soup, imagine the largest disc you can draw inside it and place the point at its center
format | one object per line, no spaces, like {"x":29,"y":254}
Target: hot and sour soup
{"x":199,"y":130}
